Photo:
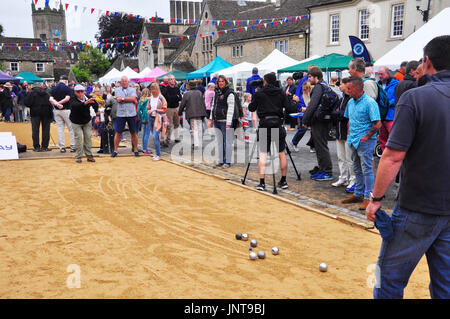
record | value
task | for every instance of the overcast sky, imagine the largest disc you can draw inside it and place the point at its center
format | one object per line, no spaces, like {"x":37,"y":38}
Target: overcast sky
{"x":16,"y":15}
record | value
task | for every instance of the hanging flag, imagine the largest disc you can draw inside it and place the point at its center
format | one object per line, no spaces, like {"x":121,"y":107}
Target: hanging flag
{"x":92,"y":10}
{"x":67,"y":6}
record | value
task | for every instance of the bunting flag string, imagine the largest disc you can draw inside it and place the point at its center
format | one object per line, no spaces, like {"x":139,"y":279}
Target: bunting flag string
{"x":70,"y":6}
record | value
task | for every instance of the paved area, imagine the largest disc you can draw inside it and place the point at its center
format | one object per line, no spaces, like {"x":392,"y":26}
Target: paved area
{"x":305,"y":191}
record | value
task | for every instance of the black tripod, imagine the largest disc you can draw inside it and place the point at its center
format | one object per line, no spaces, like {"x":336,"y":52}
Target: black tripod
{"x":273,"y":170}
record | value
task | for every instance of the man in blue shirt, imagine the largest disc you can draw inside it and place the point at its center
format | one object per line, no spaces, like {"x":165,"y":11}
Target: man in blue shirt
{"x":254,"y":77}
{"x":364,"y":122}
{"x":60,"y":99}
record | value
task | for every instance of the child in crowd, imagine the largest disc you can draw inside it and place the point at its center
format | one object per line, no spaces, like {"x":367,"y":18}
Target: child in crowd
{"x":248,"y":117}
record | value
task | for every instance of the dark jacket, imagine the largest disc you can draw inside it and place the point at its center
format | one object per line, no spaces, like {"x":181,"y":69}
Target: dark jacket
{"x":172,"y":95}
{"x":341,"y":121}
{"x":39,"y":104}
{"x":59,"y":92}
{"x":269,"y":101}
{"x":193,"y":104}
{"x":292,"y":90}
{"x":408,"y":83}
{"x":81,"y":113}
{"x":310,"y":116}
{"x":6,"y":100}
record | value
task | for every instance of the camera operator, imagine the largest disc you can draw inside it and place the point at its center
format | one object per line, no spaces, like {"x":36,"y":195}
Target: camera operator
{"x":269,"y":103}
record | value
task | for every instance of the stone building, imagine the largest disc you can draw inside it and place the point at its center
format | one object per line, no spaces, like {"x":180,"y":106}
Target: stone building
{"x":33,"y":54}
{"x":49,"y":24}
{"x":380,"y":24}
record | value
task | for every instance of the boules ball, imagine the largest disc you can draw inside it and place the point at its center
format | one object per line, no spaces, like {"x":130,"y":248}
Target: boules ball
{"x":323,"y":267}
{"x":275,"y":251}
{"x":253,"y":256}
{"x":261,"y":255}
{"x":254,"y":243}
{"x":250,"y":249}
{"x":238,"y":236}
{"x":244,"y":237}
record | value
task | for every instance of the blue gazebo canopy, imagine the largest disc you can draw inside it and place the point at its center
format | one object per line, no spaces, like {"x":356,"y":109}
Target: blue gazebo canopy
{"x":212,"y":67}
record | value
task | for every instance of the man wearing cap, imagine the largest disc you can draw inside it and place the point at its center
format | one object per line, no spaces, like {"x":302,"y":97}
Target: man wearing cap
{"x":81,"y":119}
{"x":60,"y":97}
{"x":126,"y":98}
{"x":41,"y":114}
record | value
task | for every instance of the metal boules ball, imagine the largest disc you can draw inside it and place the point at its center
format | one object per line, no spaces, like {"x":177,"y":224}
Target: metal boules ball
{"x":253,"y":256}
{"x":254,"y":243}
{"x":323,"y":267}
{"x":238,"y":236}
{"x":275,"y":251}
{"x":261,"y":255}
{"x":244,"y":237}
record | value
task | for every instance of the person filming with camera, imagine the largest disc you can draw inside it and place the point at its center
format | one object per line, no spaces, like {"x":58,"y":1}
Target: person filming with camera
{"x":269,"y":103}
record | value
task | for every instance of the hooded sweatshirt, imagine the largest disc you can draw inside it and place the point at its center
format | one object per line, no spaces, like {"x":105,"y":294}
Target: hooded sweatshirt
{"x":269,"y":101}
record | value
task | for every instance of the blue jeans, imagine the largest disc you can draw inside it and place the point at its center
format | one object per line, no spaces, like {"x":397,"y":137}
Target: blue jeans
{"x":151,"y":122}
{"x":225,"y":143}
{"x":299,"y":135}
{"x":7,"y":115}
{"x":146,"y":128}
{"x":362,"y":166}
{"x":415,"y":234}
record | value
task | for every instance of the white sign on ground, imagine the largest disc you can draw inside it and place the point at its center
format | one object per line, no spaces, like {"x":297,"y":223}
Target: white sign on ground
{"x":8,"y":146}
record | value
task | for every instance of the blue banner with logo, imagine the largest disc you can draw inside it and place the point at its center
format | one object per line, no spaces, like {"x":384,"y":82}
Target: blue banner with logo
{"x":359,"y":50}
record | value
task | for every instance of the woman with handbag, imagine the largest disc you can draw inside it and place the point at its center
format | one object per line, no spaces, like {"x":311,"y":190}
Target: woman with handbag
{"x":144,"y":119}
{"x":156,"y":108}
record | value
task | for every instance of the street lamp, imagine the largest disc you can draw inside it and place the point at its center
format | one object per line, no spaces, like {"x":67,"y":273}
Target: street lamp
{"x":424,"y":13}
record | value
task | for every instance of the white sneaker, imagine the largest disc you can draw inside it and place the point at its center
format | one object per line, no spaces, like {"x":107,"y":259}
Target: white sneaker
{"x":295,"y":148}
{"x":340,"y":182}
{"x":312,"y":150}
{"x":156,"y":158}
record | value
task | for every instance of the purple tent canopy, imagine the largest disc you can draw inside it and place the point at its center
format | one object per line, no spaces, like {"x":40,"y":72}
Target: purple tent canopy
{"x":6,"y":78}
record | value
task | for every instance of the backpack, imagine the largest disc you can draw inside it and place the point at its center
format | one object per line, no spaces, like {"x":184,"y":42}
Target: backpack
{"x":382,"y":100}
{"x":328,"y":102}
{"x":238,"y":110}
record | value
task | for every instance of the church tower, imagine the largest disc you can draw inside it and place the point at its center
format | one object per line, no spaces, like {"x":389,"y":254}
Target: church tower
{"x":49,"y":24}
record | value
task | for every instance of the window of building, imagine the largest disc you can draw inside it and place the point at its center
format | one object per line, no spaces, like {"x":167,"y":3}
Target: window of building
{"x":397,"y":20}
{"x":282,"y":45}
{"x":207,"y":44}
{"x":40,"y":67}
{"x":334,"y":29}
{"x":237,"y":51}
{"x":364,"y":24}
{"x":14,"y":66}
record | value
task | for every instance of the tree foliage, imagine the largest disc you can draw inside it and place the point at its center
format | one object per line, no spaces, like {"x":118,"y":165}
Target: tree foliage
{"x":91,"y":61}
{"x":1,"y":29}
{"x":112,"y":26}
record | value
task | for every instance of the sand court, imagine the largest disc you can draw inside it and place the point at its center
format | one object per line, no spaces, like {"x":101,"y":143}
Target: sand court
{"x":143,"y":229}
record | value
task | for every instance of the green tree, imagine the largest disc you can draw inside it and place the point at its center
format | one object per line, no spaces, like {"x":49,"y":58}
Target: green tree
{"x":91,"y":61}
{"x":1,"y":29}
{"x":115,"y":26}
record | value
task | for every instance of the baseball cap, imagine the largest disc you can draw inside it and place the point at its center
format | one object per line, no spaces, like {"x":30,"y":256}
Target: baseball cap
{"x":79,"y":87}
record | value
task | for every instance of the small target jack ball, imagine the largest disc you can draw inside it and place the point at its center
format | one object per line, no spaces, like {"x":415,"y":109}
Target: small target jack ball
{"x":253,"y":256}
{"x":238,"y":236}
{"x":244,"y":237}
{"x":261,"y":254}
{"x":250,"y":249}
{"x":275,"y":251}
{"x":254,"y":243}
{"x":323,"y":267}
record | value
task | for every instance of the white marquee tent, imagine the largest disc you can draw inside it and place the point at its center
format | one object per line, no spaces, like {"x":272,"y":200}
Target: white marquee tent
{"x":128,"y":72}
{"x":412,"y":47}
{"x":275,"y":61}
{"x":110,"y":77}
